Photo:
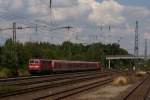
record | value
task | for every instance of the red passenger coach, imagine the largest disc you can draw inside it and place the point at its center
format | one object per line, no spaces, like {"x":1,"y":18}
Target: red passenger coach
{"x":63,"y":65}
{"x":42,"y":65}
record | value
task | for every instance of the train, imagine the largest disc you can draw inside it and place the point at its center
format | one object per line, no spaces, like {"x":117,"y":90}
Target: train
{"x":52,"y":66}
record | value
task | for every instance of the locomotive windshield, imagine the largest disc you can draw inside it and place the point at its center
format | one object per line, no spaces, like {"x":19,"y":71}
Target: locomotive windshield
{"x":33,"y":61}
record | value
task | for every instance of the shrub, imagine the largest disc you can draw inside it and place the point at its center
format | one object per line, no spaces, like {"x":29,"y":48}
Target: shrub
{"x":121,"y":80}
{"x":23,"y":72}
{"x":5,"y":72}
{"x":140,"y":73}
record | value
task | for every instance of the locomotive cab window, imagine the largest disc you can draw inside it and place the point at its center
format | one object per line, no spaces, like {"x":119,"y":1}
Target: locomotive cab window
{"x":31,"y":61}
{"x":34,"y":61}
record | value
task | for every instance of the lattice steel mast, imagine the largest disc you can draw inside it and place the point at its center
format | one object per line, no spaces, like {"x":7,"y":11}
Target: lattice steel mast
{"x":136,"y":48}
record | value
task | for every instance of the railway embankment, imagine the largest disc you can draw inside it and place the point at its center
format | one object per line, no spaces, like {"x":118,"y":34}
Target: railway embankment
{"x":109,"y":85}
{"x":133,"y":86}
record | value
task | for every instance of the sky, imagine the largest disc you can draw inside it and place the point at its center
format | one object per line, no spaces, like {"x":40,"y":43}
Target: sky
{"x":89,"y":19}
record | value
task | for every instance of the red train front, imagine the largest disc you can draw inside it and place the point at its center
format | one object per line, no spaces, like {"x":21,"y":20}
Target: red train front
{"x":39,"y":65}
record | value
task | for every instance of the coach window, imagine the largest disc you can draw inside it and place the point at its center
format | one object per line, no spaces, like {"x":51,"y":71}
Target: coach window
{"x":60,"y":65}
{"x":87,"y":65}
{"x":47,"y":62}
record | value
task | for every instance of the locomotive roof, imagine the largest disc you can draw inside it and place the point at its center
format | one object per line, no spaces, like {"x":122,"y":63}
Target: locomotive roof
{"x":67,"y":61}
{"x":76,"y":61}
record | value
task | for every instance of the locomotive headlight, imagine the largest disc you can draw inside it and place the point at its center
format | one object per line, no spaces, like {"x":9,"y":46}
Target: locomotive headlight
{"x":34,"y":66}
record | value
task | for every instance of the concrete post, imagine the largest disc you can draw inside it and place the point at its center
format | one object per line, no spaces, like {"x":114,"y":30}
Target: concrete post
{"x":109,"y":64}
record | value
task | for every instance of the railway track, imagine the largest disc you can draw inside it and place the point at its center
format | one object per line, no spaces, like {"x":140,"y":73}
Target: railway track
{"x":77,"y":88}
{"x":46,"y":78}
{"x":5,"y":80}
{"x":74,"y":89}
{"x":140,"y":92}
{"x":14,"y":79}
{"x":57,"y":85}
{"x":52,"y":84}
{"x":42,"y":79}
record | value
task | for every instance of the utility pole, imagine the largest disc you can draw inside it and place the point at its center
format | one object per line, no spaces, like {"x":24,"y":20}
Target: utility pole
{"x":96,"y":38}
{"x":136,"y":48}
{"x":50,"y":5}
{"x":68,"y":32}
{"x":36,"y":28}
{"x":77,"y":38}
{"x":119,"y":40}
{"x":145,"y":53}
{"x":14,"y":33}
{"x":51,"y":13}
{"x":14,"y":53}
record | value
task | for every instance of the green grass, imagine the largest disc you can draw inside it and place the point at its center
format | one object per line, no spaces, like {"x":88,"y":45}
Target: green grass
{"x":5,"y":88}
{"x":23,"y":72}
{"x":5,"y":72}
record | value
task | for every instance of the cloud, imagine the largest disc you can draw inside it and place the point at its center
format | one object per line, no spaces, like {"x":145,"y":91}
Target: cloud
{"x":62,"y":10}
{"x":74,"y":12}
{"x":137,"y":12}
{"x":146,"y":35}
{"x":37,"y":8}
{"x":11,"y":4}
{"x":106,"y":12}
{"x":64,"y":3}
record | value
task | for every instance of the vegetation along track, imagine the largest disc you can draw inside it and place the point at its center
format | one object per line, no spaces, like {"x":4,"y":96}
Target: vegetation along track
{"x":140,"y":91}
{"x":54,"y":84}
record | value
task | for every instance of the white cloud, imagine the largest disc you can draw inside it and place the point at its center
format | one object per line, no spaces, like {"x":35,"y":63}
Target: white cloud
{"x":37,"y":7}
{"x":11,"y":4}
{"x":70,"y":12}
{"x":147,"y":35}
{"x":17,"y":4}
{"x":106,"y":12}
{"x":64,"y":3}
{"x":137,"y":11}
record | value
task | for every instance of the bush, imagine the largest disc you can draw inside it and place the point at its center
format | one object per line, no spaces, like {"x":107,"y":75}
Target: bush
{"x":140,"y":73}
{"x":5,"y":72}
{"x":5,"y":88}
{"x":121,"y":80}
{"x":23,"y":72}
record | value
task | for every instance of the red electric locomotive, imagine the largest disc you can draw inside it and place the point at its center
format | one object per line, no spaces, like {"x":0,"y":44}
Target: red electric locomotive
{"x":42,"y":65}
